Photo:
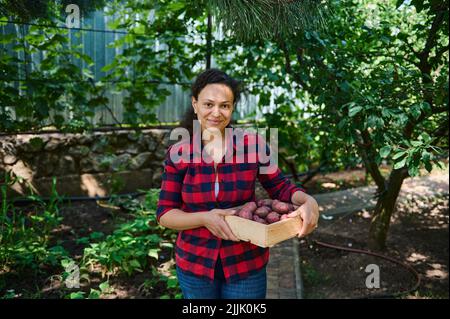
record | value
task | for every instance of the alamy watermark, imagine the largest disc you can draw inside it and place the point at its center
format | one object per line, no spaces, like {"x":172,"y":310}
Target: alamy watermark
{"x":73,"y":17}
{"x":373,"y":279}
{"x":73,"y":278}
{"x":256,"y":150}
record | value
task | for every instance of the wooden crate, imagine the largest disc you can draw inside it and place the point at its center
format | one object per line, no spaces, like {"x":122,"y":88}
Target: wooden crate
{"x":264,"y":235}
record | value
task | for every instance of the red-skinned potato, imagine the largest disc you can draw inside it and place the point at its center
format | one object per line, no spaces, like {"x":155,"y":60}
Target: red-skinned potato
{"x":245,"y":214}
{"x":258,"y":219}
{"x":247,"y":210}
{"x":263,"y":211}
{"x":280,"y":207}
{"x":250,"y":206}
{"x":272,"y":217}
{"x":264,"y":202}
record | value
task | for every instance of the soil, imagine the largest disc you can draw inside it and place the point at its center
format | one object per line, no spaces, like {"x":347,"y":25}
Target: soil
{"x":418,"y":237}
{"x":79,"y":220}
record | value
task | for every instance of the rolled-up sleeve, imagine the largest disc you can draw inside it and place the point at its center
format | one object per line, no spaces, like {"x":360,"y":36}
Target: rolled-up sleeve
{"x":275,"y":182}
{"x":172,"y":181}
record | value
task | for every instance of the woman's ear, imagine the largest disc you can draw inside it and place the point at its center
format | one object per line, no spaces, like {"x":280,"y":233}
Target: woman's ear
{"x":194,"y":104}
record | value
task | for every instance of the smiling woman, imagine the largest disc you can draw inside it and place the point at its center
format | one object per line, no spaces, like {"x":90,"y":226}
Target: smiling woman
{"x":195,"y":197}
{"x":204,"y":89}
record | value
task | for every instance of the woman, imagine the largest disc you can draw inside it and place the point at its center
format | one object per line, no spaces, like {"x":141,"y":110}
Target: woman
{"x":195,"y":197}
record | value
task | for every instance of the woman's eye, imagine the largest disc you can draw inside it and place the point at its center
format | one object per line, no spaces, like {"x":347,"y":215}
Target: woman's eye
{"x":226,"y":106}
{"x":209,"y":105}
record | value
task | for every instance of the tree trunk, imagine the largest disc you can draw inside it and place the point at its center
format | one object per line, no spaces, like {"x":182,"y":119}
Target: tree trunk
{"x":209,"y":42}
{"x":381,"y":219}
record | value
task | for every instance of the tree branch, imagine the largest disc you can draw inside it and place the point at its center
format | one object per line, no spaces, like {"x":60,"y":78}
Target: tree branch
{"x":371,"y":166}
{"x":431,"y":39}
{"x":409,"y":127}
{"x":288,"y":63}
{"x":367,"y":153}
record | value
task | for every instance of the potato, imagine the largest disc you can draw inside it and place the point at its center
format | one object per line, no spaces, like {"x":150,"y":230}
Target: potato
{"x":258,"y":219}
{"x":272,"y":217}
{"x":266,"y":210}
{"x":262,"y":211}
{"x":250,"y":206}
{"x":280,"y":207}
{"x":245,"y":214}
{"x":264,"y":202}
{"x":284,"y":216}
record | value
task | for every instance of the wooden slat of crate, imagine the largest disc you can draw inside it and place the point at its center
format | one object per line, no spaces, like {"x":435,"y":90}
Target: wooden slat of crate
{"x":263,"y":235}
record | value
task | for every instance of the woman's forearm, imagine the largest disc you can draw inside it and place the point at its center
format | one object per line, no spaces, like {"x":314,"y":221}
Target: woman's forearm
{"x":179,"y":220}
{"x":299,"y":198}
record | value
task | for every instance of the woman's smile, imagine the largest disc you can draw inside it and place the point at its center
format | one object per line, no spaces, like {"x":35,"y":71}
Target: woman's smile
{"x":214,"y":122}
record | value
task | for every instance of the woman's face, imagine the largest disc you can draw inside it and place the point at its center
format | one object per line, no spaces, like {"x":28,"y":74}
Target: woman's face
{"x":214,"y":106}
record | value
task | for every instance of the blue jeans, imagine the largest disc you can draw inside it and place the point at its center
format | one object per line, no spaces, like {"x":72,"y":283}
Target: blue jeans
{"x":252,"y":287}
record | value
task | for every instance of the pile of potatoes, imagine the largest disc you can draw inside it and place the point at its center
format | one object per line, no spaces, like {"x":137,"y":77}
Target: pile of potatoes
{"x":266,"y":211}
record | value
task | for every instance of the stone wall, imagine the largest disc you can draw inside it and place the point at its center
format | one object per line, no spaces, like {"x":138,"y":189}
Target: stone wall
{"x":93,"y":164}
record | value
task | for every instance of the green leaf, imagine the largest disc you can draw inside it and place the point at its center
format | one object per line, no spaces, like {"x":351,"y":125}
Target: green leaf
{"x":109,"y":67}
{"x":425,"y":137}
{"x":154,"y":238}
{"x":426,"y":156}
{"x":96,"y":235}
{"x":440,"y":164}
{"x":415,"y":110}
{"x":94,"y":294}
{"x":428,"y":166}
{"x":172,"y":282}
{"x":77,"y":295}
{"x":400,"y":164}
{"x":385,"y":151}
{"x":104,"y":287}
{"x":387,"y":112}
{"x":425,"y":106}
{"x":65,"y":263}
{"x":153,"y":253}
{"x":413,"y":170}
{"x":354,"y":110}
{"x":175,"y":6}
{"x":135,"y":263}
{"x":399,"y":154}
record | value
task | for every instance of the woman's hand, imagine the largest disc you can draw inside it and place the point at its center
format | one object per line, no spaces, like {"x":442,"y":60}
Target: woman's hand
{"x":309,"y":213}
{"x":214,"y":221}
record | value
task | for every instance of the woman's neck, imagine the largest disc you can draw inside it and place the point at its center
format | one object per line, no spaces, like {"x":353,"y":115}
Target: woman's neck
{"x":214,"y":137}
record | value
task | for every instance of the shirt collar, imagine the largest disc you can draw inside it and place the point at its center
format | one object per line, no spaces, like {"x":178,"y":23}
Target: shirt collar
{"x":197,"y":145}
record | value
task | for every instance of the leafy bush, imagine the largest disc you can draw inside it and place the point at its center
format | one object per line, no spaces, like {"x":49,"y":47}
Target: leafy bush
{"x":25,"y":236}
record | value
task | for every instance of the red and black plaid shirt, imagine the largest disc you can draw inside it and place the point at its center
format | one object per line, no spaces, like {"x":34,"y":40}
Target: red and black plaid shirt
{"x":189,"y":187}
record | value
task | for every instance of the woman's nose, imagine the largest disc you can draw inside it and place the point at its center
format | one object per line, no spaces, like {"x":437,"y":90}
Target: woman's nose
{"x":216,"y":111}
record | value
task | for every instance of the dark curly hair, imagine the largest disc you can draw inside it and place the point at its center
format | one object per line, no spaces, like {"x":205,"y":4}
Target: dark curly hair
{"x":210,"y":76}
